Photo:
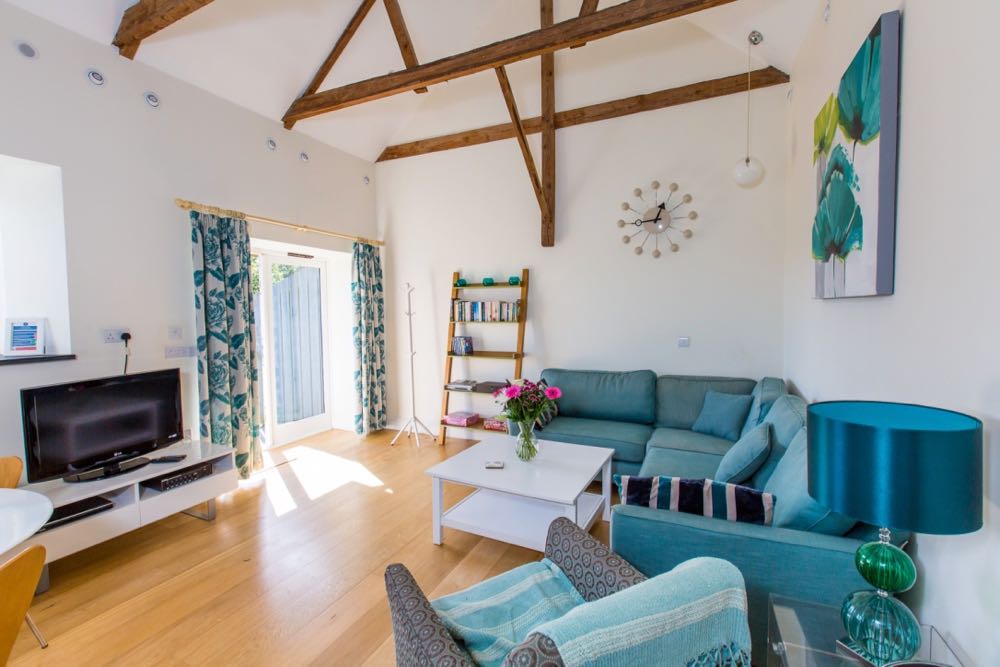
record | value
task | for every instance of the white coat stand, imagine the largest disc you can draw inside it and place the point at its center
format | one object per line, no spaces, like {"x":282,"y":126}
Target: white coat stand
{"x":413,"y":424}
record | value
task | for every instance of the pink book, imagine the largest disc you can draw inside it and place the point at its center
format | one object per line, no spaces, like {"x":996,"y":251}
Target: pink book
{"x":462,"y":418}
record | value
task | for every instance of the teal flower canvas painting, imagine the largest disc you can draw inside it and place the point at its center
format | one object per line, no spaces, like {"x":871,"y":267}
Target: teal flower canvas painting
{"x":854,"y":154}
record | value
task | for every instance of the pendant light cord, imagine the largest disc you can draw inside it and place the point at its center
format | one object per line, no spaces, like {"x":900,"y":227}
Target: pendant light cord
{"x":749,"y":46}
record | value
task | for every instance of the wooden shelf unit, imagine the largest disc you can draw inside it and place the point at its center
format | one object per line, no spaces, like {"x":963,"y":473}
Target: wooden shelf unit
{"x":516,"y":355}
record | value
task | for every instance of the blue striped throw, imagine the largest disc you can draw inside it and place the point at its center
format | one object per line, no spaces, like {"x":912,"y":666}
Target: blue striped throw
{"x":705,"y":497}
{"x":493,"y":617}
{"x":693,"y":616}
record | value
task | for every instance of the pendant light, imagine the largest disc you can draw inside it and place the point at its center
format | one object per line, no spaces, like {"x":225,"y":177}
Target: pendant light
{"x":749,"y":171}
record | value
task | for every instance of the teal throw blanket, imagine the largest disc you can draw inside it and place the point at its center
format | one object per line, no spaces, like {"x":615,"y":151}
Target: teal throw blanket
{"x":692,"y":616}
{"x":493,"y":617}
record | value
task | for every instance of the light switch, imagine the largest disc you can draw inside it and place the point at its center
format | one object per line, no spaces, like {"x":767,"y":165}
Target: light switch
{"x":683,"y":341}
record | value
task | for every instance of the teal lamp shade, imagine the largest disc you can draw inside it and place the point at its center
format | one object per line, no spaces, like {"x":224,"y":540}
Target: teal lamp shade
{"x":908,"y":467}
{"x":900,"y":466}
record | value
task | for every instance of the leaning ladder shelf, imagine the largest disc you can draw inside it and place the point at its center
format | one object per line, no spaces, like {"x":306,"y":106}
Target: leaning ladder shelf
{"x":516,"y":355}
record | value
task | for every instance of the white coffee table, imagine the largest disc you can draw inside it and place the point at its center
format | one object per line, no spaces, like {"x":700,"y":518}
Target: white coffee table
{"x":517,"y":504}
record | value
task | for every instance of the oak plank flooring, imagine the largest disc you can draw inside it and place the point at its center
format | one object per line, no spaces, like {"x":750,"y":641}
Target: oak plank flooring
{"x":289,"y":573}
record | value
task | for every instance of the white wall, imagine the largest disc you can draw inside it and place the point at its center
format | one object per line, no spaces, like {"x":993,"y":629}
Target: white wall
{"x":593,"y":303}
{"x":935,"y":340}
{"x":33,"y":253}
{"x":127,"y":246}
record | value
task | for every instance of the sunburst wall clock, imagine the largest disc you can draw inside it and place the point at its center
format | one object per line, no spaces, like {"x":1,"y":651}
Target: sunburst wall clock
{"x":661,"y":220}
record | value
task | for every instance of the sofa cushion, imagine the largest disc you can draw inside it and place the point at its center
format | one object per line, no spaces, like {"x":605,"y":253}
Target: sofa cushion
{"x":787,"y":417}
{"x":678,"y":463}
{"x":627,"y":439}
{"x":745,"y":457}
{"x":690,"y":441}
{"x":722,"y":415}
{"x":494,"y":616}
{"x":705,"y":497}
{"x":679,"y":397}
{"x":795,"y":508}
{"x":764,"y":395}
{"x":618,"y":396}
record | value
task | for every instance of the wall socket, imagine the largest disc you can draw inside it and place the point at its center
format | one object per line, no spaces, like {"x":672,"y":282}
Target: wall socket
{"x":175,"y":333}
{"x":113,"y":335}
{"x":683,"y":341}
{"x":180,"y":351}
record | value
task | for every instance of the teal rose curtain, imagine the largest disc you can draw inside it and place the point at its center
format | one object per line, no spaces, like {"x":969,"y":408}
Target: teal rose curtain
{"x":228,"y":387}
{"x":369,"y":339}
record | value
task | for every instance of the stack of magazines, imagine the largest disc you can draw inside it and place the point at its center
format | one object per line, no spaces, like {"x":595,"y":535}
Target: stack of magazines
{"x":461,"y":385}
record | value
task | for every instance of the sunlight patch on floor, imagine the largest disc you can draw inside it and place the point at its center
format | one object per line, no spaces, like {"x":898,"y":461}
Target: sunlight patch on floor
{"x":320,"y":472}
{"x":275,"y":488}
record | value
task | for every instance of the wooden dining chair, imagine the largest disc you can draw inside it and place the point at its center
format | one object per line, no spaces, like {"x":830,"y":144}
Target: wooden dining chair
{"x":18,"y":579}
{"x":10,"y":472}
{"x":10,"y":477}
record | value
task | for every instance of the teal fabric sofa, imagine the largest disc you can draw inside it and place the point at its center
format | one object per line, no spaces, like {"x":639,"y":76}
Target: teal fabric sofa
{"x":647,"y":419}
{"x":808,"y":554}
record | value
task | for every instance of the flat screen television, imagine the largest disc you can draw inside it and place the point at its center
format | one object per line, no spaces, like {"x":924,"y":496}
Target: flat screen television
{"x":83,"y":426}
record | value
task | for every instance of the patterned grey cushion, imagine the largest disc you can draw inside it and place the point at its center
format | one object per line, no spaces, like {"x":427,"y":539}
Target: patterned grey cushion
{"x":593,"y":568}
{"x":535,"y":651}
{"x":420,"y":636}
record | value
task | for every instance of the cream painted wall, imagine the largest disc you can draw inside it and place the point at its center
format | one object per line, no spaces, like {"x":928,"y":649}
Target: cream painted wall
{"x":593,"y":303}
{"x":127,"y":245}
{"x":935,"y":340}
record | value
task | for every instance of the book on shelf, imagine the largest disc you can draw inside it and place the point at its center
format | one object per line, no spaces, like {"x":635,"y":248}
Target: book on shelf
{"x":462,"y":346}
{"x":461,"y":418}
{"x":495,"y":424}
{"x":485,"y":311}
{"x":462,"y":385}
{"x":488,"y":387}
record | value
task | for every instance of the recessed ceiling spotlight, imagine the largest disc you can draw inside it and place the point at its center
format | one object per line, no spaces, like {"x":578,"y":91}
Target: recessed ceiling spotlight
{"x":304,"y":156}
{"x":26,"y":50}
{"x":272,"y":145}
{"x":152,"y":99}
{"x":95,"y":77}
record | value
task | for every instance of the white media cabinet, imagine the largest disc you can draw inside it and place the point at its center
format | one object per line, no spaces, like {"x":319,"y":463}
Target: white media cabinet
{"x":134,"y":504}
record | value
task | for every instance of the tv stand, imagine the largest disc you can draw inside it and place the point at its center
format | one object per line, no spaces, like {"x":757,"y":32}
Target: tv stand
{"x":134,"y":504}
{"x":109,"y":470}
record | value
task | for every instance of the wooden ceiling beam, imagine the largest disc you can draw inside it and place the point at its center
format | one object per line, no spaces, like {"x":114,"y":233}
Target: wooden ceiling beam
{"x":522,"y":140}
{"x":626,"y":16}
{"x":335,"y":52}
{"x":402,"y":36}
{"x":661,"y":99}
{"x":587,"y":7}
{"x":148,"y":17}
{"x":548,"y":78}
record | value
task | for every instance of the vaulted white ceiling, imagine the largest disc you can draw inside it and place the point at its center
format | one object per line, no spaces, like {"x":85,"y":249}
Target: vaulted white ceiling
{"x":260,"y":54}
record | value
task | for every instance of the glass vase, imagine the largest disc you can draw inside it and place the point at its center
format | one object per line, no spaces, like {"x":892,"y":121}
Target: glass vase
{"x":526,"y":446}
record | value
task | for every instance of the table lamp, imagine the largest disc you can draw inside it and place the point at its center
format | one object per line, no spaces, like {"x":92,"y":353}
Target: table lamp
{"x":893,"y":465}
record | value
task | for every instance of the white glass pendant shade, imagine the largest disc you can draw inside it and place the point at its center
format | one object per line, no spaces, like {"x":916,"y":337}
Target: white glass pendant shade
{"x":748,"y":172}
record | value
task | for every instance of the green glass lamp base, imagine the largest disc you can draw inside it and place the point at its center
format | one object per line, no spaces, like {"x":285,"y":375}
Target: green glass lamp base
{"x":880,"y":628}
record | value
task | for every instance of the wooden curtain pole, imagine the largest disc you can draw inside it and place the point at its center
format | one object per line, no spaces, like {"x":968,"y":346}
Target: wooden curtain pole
{"x":214,"y":210}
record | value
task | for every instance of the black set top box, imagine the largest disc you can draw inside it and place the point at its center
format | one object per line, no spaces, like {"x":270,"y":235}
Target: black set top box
{"x":175,"y":478}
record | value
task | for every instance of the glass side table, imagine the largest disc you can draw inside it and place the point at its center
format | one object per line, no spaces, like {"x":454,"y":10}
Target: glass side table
{"x":805,"y":634}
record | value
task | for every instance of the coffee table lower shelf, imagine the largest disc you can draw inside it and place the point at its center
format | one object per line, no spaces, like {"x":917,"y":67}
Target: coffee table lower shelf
{"x":517,"y":519}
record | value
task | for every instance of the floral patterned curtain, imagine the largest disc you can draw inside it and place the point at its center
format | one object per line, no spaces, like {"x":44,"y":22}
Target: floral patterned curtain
{"x":369,"y":339}
{"x":228,"y":386}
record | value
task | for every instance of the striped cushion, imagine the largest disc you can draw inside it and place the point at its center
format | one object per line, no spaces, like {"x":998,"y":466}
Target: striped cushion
{"x":704,"y":497}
